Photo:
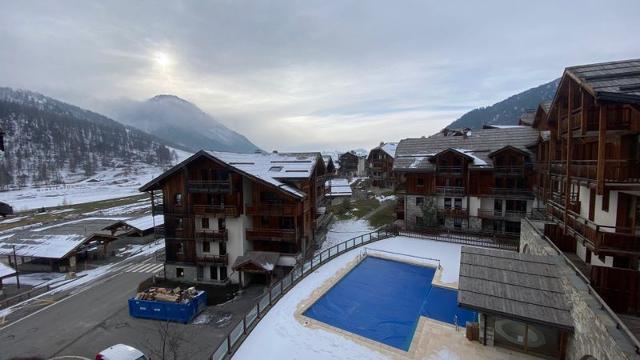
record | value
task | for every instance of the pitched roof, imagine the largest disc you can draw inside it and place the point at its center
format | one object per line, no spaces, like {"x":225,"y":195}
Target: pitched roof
{"x":612,"y":81}
{"x":263,"y":260}
{"x":389,"y":148}
{"x":414,"y":153}
{"x":513,"y":285}
{"x":527,"y":117}
{"x":268,"y":168}
{"x":6,"y":271}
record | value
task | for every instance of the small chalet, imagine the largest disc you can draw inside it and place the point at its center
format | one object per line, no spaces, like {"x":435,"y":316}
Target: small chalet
{"x":380,"y":161}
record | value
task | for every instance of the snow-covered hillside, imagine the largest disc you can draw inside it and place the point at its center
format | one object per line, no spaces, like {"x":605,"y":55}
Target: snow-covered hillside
{"x":105,"y":184}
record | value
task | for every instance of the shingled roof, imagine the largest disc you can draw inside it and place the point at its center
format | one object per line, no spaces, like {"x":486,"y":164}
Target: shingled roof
{"x":610,"y":81}
{"x":512,"y":285}
{"x":414,"y":153}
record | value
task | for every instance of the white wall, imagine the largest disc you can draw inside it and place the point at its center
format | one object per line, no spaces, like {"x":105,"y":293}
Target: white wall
{"x":475,"y":203}
{"x":606,"y":217}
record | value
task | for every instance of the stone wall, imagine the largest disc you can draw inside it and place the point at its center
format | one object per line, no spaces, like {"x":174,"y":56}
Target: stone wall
{"x":595,"y":331}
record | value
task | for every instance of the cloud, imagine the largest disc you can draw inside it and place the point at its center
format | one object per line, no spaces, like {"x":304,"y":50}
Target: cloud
{"x":316,"y":74}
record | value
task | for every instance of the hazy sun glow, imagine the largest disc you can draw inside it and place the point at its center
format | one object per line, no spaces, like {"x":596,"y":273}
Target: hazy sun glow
{"x":162,"y":59}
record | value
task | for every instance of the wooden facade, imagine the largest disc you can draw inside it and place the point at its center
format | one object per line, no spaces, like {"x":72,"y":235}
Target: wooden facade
{"x":588,"y":173}
{"x":203,"y":189}
{"x":380,"y":168}
{"x":348,"y":164}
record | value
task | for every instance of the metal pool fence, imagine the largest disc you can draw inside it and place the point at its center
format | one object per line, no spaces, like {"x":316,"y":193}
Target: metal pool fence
{"x":275,"y":292}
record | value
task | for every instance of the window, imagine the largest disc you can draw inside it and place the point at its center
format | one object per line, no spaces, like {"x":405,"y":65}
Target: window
{"x":179,"y":224}
{"x":205,"y":222}
{"x":179,"y":248}
{"x":457,"y":203}
{"x":419,"y":182}
{"x":179,"y":272}
{"x":213,"y":273}
{"x":419,"y":201}
{"x":286,"y":222}
{"x":178,"y":199}
{"x":221,"y":224}
{"x":457,"y":223}
{"x":206,"y":246}
{"x":223,"y":273}
{"x":447,"y":203}
{"x":222,"y":246}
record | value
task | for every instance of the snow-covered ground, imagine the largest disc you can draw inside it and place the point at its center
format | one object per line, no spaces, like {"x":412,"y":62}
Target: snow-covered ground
{"x":280,"y":336}
{"x":343,"y":230}
{"x":107,"y":184}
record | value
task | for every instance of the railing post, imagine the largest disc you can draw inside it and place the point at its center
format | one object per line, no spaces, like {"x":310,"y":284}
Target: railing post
{"x":281,"y":287}
{"x":229,"y":344}
{"x":258,"y":307}
{"x":270,"y":299}
{"x":244,"y":325}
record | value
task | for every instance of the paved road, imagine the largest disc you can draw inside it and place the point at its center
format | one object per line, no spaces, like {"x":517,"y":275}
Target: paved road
{"x":96,"y":317}
{"x":54,"y":328}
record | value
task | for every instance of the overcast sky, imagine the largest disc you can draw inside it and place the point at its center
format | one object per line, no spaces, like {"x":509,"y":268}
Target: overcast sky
{"x":309,"y":75}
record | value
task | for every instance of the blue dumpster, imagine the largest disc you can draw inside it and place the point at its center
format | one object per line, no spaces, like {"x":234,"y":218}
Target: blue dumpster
{"x":168,"y":311}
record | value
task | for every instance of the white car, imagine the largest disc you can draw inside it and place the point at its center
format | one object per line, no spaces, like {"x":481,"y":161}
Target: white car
{"x":121,"y":352}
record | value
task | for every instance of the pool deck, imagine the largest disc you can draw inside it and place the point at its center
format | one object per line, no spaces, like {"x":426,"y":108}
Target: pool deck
{"x":432,"y":339}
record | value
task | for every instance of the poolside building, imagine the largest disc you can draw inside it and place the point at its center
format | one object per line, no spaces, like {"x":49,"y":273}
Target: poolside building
{"x":224,"y":211}
{"x":519,"y":298}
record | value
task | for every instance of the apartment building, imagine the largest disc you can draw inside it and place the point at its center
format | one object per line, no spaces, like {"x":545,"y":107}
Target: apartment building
{"x":380,"y":161}
{"x":238,"y":217}
{"x":588,"y":173}
{"x":476,"y":180}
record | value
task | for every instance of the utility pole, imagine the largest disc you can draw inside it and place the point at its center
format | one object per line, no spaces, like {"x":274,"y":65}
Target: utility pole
{"x":15,"y":261}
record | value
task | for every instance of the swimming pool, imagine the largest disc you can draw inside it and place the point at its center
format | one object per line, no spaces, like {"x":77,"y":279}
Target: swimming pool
{"x":383,"y":300}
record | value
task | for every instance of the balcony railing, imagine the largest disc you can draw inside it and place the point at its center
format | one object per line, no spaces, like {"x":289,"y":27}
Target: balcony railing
{"x":217,"y":210}
{"x":157,"y":209}
{"x":449,"y":169}
{"x":509,"y":170}
{"x":212,"y":259}
{"x":601,"y":237}
{"x":210,"y":186}
{"x":272,"y":209}
{"x":453,"y":212}
{"x":280,"y":235}
{"x":512,"y":192}
{"x":450,"y":190}
{"x":208,"y":235}
{"x":499,"y":214}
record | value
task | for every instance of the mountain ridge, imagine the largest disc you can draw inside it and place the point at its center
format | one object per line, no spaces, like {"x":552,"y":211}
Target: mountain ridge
{"x":507,"y":111}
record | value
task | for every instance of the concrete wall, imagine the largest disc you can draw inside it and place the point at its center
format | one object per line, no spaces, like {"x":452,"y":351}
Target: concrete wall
{"x":190,"y":272}
{"x":595,"y":331}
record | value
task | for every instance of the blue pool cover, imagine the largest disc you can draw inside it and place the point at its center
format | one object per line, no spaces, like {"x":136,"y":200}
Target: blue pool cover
{"x":383,"y":299}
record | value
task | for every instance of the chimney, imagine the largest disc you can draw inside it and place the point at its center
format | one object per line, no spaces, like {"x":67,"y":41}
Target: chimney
{"x":275,"y":151}
{"x":381,"y":143}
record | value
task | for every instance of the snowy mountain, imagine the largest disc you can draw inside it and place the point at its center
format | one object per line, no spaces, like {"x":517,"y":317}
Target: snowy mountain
{"x":174,"y":119}
{"x":51,"y":142}
{"x":508,"y":111}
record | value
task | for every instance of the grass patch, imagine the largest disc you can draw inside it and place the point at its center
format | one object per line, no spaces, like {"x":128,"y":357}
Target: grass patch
{"x":354,"y":209}
{"x":385,"y":216}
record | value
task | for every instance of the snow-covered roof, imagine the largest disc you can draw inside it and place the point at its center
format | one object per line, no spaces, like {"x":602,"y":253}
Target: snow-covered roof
{"x":55,"y":241}
{"x":389,"y":148}
{"x":272,"y":167}
{"x":145,"y":223}
{"x":338,"y":187}
{"x":6,"y":271}
{"x":264,"y":260}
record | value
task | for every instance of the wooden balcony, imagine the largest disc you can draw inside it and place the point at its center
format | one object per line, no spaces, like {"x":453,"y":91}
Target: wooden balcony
{"x":515,"y":192}
{"x":451,"y":190}
{"x":209,"y":186}
{"x":272,"y":209}
{"x":216,"y":210}
{"x":278,"y":235}
{"x":212,"y":259}
{"x":603,"y":238}
{"x":454,"y":212}
{"x":615,"y":171}
{"x":499,"y":214}
{"x":208,"y":235}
